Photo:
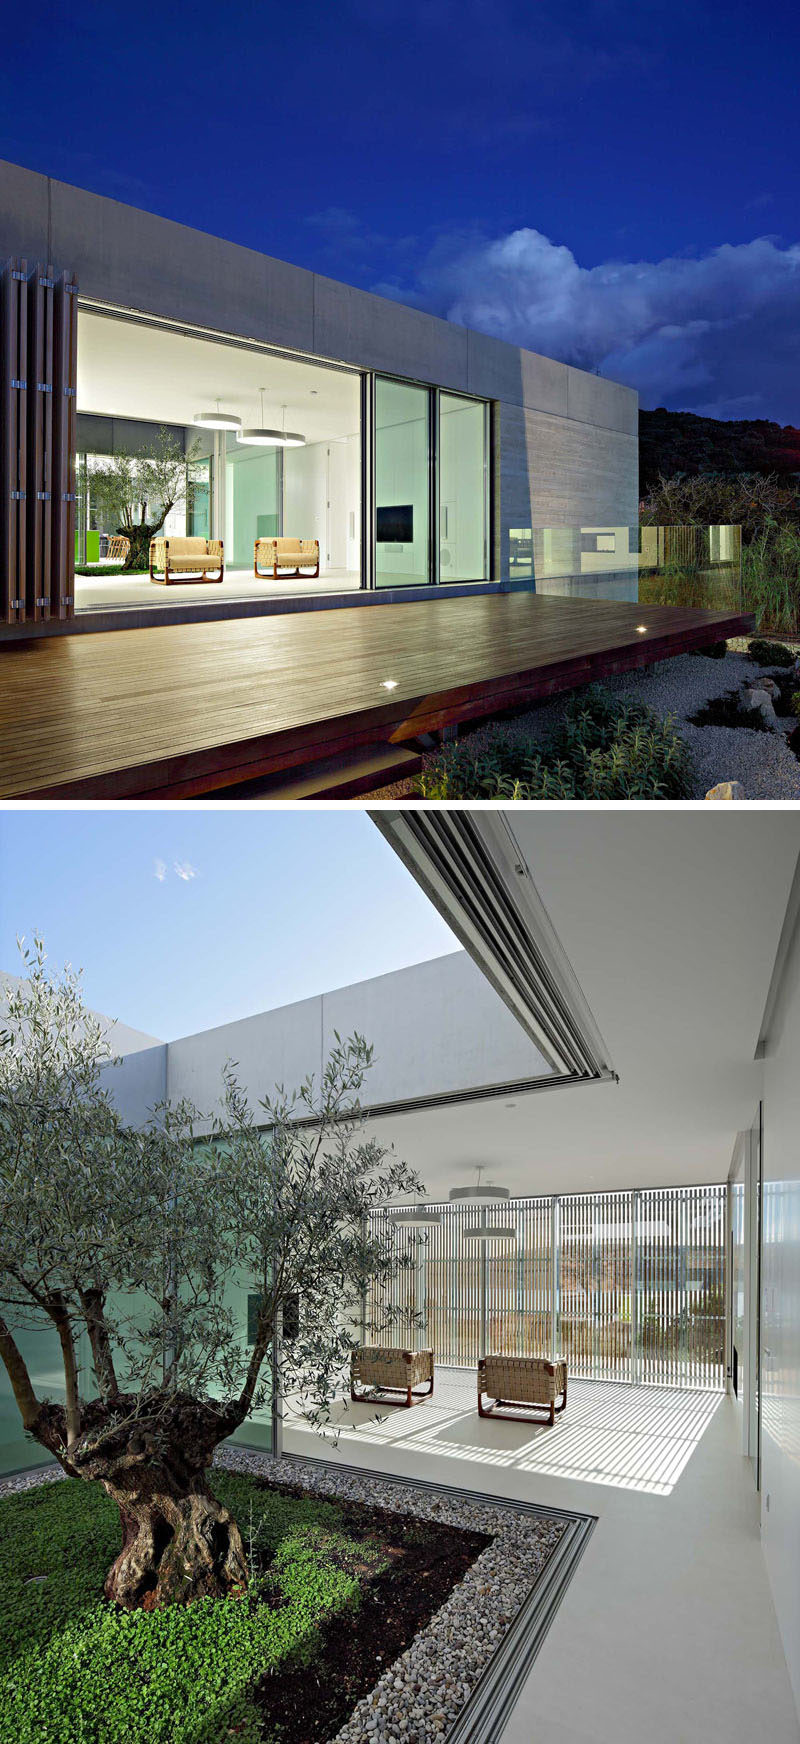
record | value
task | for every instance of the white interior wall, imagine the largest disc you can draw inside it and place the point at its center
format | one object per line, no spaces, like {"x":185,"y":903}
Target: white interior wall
{"x":321,"y":499}
{"x":780,"y":1325}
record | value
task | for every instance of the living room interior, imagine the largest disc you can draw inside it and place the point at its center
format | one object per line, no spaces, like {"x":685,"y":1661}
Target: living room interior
{"x":272,"y":449}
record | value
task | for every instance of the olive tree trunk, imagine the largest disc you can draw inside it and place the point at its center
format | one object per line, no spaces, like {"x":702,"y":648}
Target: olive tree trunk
{"x":178,"y":1541}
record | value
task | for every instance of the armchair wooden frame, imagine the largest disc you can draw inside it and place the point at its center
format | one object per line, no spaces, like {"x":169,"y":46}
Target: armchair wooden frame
{"x":117,"y":549}
{"x":386,"y":1370}
{"x":159,"y":559}
{"x":528,"y":1385}
{"x":292,"y":562}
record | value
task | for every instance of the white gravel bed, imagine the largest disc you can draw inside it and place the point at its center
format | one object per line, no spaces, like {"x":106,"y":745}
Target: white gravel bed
{"x":29,"y":1480}
{"x":763,"y":762}
{"x":419,"y":1696}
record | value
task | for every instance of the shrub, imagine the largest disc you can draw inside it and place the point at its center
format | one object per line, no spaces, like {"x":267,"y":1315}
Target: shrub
{"x":771,"y":577}
{"x":605,"y":747}
{"x":769,"y":653}
{"x":730,"y":710}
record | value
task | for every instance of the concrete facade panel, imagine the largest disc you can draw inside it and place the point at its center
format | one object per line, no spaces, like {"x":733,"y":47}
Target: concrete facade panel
{"x":270,"y":1048}
{"x":438,"y":1026}
{"x":374,"y":333}
{"x":593,"y":400}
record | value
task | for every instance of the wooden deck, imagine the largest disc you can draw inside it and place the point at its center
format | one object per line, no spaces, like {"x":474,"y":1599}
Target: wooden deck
{"x":176,"y":711}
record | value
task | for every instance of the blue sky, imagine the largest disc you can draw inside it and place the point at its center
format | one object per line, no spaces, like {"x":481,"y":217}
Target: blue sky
{"x":184,"y":919}
{"x":613,"y":182}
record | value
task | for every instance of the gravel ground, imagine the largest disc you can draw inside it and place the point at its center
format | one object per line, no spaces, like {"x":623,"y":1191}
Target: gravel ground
{"x":763,"y":762}
{"x":418,"y":1698}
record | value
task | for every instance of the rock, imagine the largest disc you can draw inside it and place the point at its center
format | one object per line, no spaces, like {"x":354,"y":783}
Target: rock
{"x":727,"y":790}
{"x":760,"y":699}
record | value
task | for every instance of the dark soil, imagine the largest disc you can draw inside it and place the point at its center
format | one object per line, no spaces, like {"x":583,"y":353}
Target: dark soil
{"x":310,"y":1703}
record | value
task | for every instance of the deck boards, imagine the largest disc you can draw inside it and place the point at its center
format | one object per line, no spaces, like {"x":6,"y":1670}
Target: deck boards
{"x":183,"y":709}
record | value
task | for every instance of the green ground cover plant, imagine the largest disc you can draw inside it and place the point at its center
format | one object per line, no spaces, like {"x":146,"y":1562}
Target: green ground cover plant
{"x":106,"y":569}
{"x":75,"y":1669}
{"x":605,"y":747}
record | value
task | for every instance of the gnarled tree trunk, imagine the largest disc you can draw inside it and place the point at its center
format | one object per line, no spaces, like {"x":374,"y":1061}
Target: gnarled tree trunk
{"x":175,"y":1546}
{"x":178,"y":1541}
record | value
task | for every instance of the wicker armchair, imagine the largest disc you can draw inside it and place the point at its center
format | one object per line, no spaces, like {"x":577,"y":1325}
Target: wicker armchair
{"x":183,"y":559}
{"x":287,"y":555}
{"x":386,"y":1370}
{"x":521,"y":1380}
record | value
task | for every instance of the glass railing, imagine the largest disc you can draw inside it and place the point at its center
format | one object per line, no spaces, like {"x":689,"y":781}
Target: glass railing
{"x":675,"y":566}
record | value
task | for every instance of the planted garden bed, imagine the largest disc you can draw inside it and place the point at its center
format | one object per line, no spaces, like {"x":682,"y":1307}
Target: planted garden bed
{"x":349,"y":1578}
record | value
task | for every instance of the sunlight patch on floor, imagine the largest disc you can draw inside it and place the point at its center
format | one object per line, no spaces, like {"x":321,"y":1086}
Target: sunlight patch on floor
{"x":632,"y":1438}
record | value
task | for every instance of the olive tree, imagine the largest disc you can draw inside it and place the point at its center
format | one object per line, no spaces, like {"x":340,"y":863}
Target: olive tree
{"x":138,"y":1246}
{"x":134,"y":493}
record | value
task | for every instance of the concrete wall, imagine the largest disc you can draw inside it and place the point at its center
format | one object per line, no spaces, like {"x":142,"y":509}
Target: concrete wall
{"x":435,"y":1027}
{"x":566,"y":441}
{"x":780,"y":1325}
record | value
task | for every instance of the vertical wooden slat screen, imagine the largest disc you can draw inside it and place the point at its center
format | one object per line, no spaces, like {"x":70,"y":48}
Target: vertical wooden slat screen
{"x":628,"y":1286}
{"x":38,"y":384}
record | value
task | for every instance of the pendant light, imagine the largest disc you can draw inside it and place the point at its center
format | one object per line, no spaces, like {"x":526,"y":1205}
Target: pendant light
{"x":483,"y":1197}
{"x":413,"y":1216}
{"x":259,"y":436}
{"x":217,"y":420}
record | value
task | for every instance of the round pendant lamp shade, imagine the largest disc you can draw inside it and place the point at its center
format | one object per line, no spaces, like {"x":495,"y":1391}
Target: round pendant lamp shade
{"x":261,"y":436}
{"x":414,"y":1216}
{"x":217,"y":420}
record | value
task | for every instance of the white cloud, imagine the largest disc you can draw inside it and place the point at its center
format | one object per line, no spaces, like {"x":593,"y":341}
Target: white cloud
{"x":183,"y":869}
{"x":717,"y":329}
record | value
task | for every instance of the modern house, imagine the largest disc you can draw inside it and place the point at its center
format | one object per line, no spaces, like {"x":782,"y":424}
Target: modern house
{"x":615,"y":1049}
{"x":257,"y":445}
{"x":415,"y":453}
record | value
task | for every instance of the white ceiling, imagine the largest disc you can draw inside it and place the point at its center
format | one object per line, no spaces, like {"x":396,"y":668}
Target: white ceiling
{"x":130,"y":370}
{"x":671,"y":919}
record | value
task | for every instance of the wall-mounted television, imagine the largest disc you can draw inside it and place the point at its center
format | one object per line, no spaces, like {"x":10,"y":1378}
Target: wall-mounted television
{"x":396,"y":524}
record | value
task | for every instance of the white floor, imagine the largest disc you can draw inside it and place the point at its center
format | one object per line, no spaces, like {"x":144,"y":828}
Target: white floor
{"x":118,"y":592}
{"x":667,"y":1633}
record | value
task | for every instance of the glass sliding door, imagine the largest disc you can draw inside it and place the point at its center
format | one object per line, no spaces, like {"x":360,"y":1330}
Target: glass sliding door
{"x":463,"y":496}
{"x":402,"y":484}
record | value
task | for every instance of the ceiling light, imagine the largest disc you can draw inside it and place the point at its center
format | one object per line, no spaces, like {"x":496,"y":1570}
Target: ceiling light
{"x":641,"y":628}
{"x":388,"y":684}
{"x":413,"y":1216}
{"x":217,"y":420}
{"x":260,"y":436}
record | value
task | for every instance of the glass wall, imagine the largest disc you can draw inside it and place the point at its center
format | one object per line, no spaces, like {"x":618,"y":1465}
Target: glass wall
{"x":463,"y":495}
{"x":626,"y":1286}
{"x":402,"y":484}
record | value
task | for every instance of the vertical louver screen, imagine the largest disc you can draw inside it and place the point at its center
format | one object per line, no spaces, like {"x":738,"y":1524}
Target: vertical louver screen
{"x":38,"y":383}
{"x":626,"y":1286}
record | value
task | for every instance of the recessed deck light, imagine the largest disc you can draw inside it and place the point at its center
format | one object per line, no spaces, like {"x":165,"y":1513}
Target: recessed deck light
{"x":641,"y":628}
{"x":388,"y":684}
